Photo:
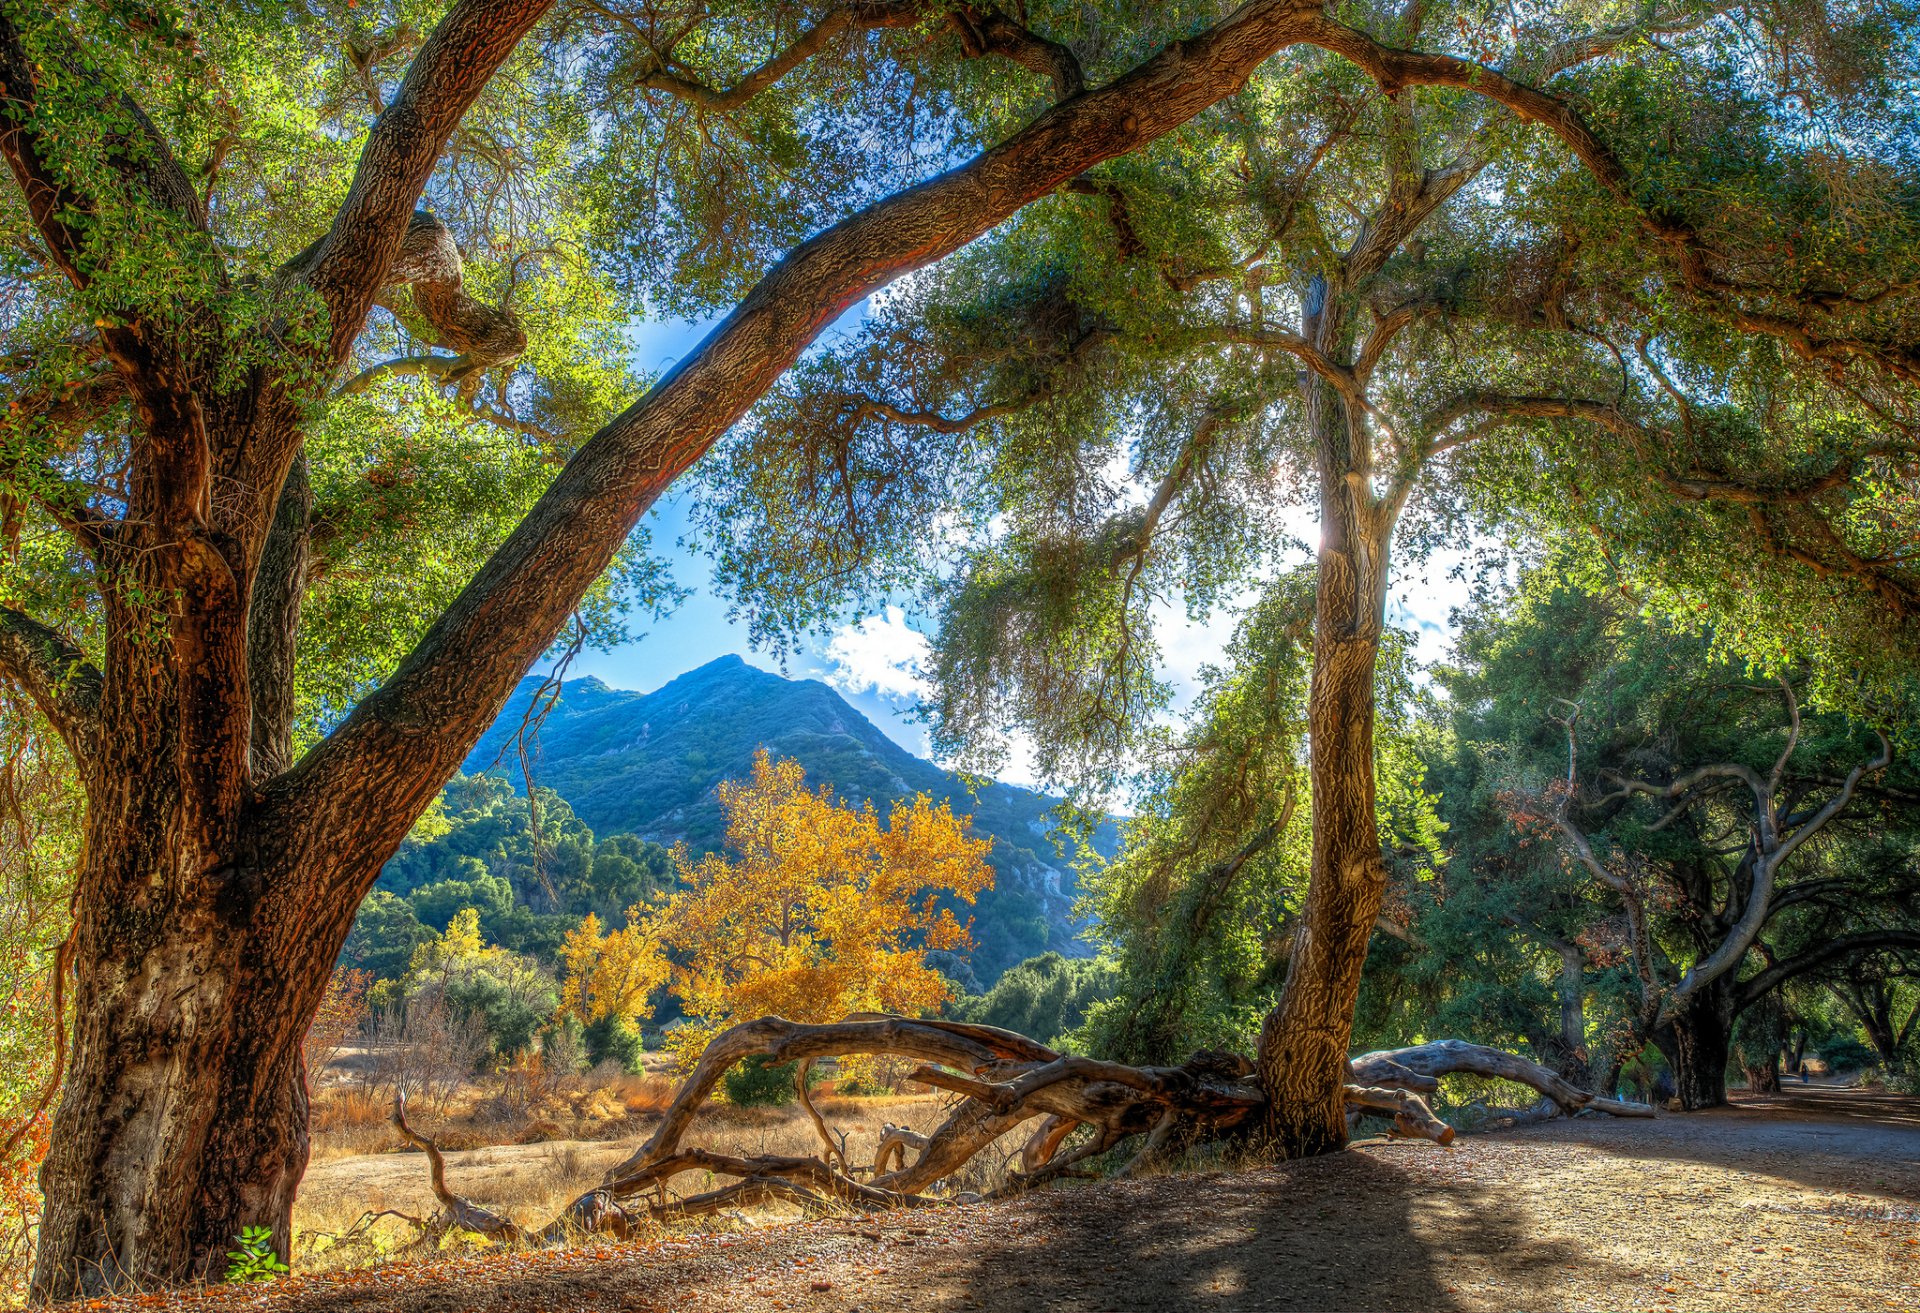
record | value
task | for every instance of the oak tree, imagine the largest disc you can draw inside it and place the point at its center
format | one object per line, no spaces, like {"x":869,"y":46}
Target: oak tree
{"x":1641,"y":272}
{"x":232,"y":225}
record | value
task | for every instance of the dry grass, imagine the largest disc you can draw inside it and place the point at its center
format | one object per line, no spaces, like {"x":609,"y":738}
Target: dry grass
{"x":640,"y":1095}
{"x":528,"y":1146}
{"x":530,"y":1163}
{"x":536,"y":1160}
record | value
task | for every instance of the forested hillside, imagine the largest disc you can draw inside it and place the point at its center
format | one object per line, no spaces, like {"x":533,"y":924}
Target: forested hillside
{"x":649,"y":764}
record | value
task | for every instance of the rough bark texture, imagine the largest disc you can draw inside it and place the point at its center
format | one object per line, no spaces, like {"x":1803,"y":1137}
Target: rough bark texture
{"x":1303,"y":1045}
{"x":1696,"y":1044}
{"x":220,"y":880}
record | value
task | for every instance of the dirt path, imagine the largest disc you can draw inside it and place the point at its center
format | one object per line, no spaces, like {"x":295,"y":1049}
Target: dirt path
{"x":1808,"y":1201}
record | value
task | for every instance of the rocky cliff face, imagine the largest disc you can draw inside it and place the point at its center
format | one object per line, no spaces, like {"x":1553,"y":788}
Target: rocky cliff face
{"x":649,"y":764}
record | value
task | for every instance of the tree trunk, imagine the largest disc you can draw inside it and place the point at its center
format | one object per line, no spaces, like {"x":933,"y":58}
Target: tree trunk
{"x":1696,"y":1046}
{"x":1303,"y":1045}
{"x":203,"y":947}
{"x":183,"y":1118}
{"x":1567,"y":1052}
{"x":219,"y":880}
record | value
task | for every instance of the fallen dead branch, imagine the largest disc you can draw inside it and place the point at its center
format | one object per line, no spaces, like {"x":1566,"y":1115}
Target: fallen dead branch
{"x":1004,"y":1080}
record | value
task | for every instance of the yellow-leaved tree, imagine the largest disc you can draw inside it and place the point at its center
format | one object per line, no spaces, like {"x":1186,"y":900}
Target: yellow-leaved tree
{"x":612,"y":974}
{"x":816,"y":910}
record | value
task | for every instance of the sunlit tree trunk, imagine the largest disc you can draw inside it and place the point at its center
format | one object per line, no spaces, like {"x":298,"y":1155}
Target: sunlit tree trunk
{"x":1304,"y":1042}
{"x":220,"y":878}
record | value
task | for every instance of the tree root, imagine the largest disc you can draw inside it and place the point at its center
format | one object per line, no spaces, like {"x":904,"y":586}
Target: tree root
{"x":1004,"y":1080}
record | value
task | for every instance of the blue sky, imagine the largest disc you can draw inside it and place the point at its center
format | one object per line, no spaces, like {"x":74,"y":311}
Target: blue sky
{"x":870,"y":659}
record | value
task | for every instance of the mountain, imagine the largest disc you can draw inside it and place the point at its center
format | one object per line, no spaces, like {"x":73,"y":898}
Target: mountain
{"x":649,"y":763}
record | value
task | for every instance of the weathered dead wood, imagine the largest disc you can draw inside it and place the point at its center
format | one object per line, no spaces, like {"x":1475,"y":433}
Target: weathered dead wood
{"x":1412,"y":1117}
{"x":833,"y":1151}
{"x":1391,"y":1068}
{"x":1003,"y":1081}
{"x":461,"y":1213}
{"x":1045,"y":1142}
{"x":891,"y":1154}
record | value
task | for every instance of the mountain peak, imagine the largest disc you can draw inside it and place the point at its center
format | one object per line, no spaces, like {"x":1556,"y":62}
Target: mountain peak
{"x":650,"y":764}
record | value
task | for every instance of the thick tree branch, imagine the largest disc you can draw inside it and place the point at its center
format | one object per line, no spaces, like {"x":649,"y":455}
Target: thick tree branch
{"x":846,"y":18}
{"x":1393,"y":69}
{"x":140,"y":157}
{"x":406,"y":738}
{"x":1830,"y":951}
{"x":984,"y":30}
{"x":273,"y":625}
{"x":354,"y":260}
{"x":68,"y":220}
{"x":55,"y":674}
{"x":428,"y":366}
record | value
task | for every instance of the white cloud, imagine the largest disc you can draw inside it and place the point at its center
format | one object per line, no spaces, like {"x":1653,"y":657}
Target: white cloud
{"x":881,"y":654}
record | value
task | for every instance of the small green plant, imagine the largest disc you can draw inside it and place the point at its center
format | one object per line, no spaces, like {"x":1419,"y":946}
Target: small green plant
{"x":756,"y":1083}
{"x":255,"y":1260}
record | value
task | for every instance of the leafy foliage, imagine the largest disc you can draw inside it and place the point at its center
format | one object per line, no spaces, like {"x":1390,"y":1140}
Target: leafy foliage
{"x":650,"y":764}
{"x":611,"y":976}
{"x":1045,"y":997}
{"x":819,"y":912}
{"x":255,"y":1259}
{"x":1510,"y":912}
{"x":759,"y":1083}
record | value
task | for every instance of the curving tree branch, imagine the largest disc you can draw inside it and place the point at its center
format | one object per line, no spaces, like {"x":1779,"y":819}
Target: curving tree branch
{"x":356,"y":257}
{"x":55,"y":673}
{"x":1837,"y":949}
{"x":845,"y":18}
{"x":1393,"y":68}
{"x":411,"y":733}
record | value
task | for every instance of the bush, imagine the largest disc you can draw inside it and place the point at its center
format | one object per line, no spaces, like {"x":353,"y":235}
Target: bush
{"x":1845,"y":1053}
{"x":1044,"y":998}
{"x":614,"y":1038}
{"x":757,"y":1084}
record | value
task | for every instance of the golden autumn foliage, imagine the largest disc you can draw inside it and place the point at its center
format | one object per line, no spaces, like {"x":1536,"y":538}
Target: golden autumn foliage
{"x":818,"y":910}
{"x":612,"y":974}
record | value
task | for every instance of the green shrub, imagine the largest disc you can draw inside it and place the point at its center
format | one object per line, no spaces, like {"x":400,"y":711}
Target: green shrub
{"x":1845,"y":1053}
{"x":617,"y":1038}
{"x":757,"y":1084}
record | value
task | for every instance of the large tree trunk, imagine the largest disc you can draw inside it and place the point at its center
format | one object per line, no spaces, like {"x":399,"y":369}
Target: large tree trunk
{"x":203,"y":941}
{"x":1696,"y":1045}
{"x":219,"y":881}
{"x":1765,"y":1078}
{"x":1303,"y":1045}
{"x":183,"y":1118}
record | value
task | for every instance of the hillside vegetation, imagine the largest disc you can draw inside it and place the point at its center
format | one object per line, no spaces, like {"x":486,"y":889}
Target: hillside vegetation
{"x":650,"y":764}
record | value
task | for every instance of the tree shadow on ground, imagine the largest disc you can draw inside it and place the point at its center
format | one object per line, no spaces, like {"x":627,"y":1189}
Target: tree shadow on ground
{"x":1379,"y":1228}
{"x":1351,"y":1230}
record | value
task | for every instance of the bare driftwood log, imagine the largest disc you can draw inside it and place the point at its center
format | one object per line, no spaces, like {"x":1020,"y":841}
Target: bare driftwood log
{"x":1004,"y":1080}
